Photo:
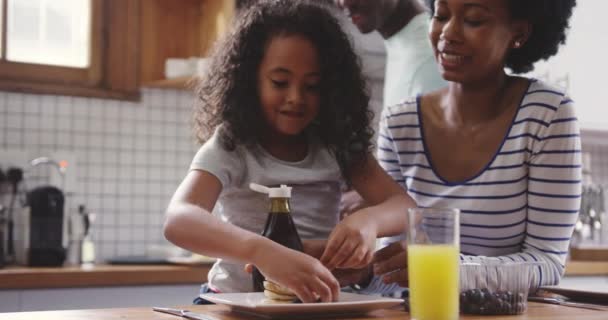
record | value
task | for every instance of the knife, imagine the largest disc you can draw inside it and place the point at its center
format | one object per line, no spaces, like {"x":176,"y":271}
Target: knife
{"x":184,"y":313}
{"x":565,"y":303}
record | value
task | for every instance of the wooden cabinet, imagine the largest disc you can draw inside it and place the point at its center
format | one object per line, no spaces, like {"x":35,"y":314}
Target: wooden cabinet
{"x":178,"y":29}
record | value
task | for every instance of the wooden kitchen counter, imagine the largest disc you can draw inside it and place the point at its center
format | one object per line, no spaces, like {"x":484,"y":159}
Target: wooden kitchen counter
{"x":586,"y":268}
{"x":535,"y":311}
{"x":116,"y":275}
{"x":101,"y":276}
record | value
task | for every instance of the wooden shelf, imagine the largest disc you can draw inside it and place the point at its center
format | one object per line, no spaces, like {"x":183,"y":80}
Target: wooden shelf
{"x":182,"y":83}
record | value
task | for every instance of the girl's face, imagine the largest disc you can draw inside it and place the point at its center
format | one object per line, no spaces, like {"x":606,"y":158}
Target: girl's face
{"x":288,"y":84}
{"x":471,"y":38}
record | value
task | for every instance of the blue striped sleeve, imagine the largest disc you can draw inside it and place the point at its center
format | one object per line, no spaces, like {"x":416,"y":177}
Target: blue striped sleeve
{"x":553,"y":195}
{"x":555,"y":204}
{"x":387,"y":156}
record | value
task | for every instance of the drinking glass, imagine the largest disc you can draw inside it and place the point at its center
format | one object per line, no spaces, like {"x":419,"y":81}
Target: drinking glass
{"x":433,"y":261}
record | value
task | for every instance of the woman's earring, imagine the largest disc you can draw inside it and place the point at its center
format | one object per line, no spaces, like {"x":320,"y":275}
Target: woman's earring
{"x":517,"y":44}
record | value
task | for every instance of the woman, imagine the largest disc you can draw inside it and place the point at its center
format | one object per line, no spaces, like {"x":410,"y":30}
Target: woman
{"x":502,"y":148}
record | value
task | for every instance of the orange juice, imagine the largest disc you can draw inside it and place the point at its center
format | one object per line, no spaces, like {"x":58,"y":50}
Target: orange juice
{"x":433,"y":280}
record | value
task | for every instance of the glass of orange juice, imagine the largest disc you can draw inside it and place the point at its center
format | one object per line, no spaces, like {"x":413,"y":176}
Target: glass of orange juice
{"x":433,"y":259}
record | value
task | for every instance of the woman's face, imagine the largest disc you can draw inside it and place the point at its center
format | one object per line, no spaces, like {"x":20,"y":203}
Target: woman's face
{"x":471,"y":38}
{"x":288,"y":84}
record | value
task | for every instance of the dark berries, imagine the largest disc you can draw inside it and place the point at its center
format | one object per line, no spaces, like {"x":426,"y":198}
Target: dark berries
{"x":482,"y":301}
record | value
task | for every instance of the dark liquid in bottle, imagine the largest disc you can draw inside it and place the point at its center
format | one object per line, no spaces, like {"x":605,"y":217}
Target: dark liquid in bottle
{"x":279,"y":228}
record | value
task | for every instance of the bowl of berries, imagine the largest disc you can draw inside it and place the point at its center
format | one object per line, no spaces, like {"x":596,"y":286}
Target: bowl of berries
{"x":499,"y":288}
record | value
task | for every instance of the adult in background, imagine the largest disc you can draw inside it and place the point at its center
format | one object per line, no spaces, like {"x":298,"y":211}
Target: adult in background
{"x":410,"y":69}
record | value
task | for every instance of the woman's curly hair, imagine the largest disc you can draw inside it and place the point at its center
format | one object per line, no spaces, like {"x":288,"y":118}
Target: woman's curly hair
{"x":549,"y":21}
{"x":228,"y":94}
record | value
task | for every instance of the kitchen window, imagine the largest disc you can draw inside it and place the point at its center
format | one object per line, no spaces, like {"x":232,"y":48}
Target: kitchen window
{"x":70,"y":47}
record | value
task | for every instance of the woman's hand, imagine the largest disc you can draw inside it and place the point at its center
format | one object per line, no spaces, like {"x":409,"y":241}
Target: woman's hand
{"x":391,"y":261}
{"x":301,"y":273}
{"x":352,"y":243}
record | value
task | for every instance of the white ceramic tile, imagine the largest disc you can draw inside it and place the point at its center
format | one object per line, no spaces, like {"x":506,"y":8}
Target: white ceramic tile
{"x":156,"y":158}
{"x":96,"y":125}
{"x":31,"y":139}
{"x":125,"y":189}
{"x":121,"y":249}
{"x":64,"y":123}
{"x":110,"y":188}
{"x":15,"y":121}
{"x":47,"y":122}
{"x":126,"y":158}
{"x":106,"y":251}
{"x":111,"y":140}
{"x":31,"y":122}
{"x":110,"y":157}
{"x":96,"y":140}
{"x":80,"y":140}
{"x":64,"y":138}
{"x":94,"y":187}
{"x":80,"y":124}
{"x":47,"y":139}
{"x":47,"y":109}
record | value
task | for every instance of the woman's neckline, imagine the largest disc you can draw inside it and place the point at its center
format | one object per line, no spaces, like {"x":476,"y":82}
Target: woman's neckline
{"x":428,"y":156}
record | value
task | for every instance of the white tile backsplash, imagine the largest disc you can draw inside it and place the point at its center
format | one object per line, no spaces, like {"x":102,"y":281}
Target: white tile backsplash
{"x":126,"y":156}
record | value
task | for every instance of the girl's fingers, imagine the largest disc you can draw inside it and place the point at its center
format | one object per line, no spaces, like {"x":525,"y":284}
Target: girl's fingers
{"x":304,"y":294}
{"x":322,"y":290}
{"x":332,"y":284}
{"x":333,"y":246}
{"x":357,"y":259}
{"x":341,"y":255}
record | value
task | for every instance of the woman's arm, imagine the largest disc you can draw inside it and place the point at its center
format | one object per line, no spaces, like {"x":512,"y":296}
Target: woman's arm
{"x":554,"y":195}
{"x":190,"y":225}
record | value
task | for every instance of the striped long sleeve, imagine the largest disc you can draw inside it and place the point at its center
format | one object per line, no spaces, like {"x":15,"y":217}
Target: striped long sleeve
{"x":553,"y":195}
{"x":522,"y":206}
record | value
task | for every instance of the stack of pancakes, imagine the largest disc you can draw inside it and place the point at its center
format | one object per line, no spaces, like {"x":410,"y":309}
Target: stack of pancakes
{"x":277,"y":292}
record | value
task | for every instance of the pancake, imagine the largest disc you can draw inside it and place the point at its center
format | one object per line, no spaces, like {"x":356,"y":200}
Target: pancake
{"x":277,"y":292}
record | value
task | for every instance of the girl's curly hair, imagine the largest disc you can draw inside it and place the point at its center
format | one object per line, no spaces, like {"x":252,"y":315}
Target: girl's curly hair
{"x":549,"y":20}
{"x":228,"y":94}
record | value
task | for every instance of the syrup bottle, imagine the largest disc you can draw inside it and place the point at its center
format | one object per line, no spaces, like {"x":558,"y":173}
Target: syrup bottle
{"x":279,"y":227}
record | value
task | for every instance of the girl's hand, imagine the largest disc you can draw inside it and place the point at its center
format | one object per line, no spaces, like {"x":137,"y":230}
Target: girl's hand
{"x":391,"y":261}
{"x":346,"y":277}
{"x":301,"y":273}
{"x":351,"y":244}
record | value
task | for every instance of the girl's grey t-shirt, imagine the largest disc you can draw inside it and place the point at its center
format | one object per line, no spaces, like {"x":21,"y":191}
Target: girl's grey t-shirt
{"x":315,"y":180}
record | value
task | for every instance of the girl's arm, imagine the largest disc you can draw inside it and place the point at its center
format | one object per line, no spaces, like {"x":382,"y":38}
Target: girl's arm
{"x":353,"y":241}
{"x":191,"y":225}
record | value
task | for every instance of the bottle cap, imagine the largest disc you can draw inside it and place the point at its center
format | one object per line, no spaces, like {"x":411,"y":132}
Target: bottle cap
{"x":281,"y":192}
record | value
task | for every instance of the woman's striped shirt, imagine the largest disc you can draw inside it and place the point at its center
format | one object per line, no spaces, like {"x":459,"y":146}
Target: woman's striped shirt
{"x":522,"y":206}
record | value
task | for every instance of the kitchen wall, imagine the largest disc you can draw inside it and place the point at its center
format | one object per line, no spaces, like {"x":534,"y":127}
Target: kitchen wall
{"x":130,"y":156}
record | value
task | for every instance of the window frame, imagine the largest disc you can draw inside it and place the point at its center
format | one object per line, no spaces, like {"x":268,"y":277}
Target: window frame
{"x":114,"y":58}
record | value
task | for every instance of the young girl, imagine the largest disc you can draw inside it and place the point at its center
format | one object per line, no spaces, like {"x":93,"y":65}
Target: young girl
{"x":284,"y":102}
{"x":502,"y":148}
